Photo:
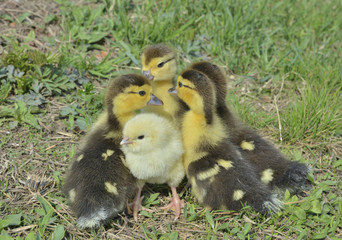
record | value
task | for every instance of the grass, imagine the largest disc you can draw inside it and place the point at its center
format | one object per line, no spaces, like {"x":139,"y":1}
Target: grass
{"x":282,"y":60}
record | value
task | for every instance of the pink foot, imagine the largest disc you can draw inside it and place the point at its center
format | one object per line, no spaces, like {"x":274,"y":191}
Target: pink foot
{"x":136,"y":204}
{"x":175,"y":203}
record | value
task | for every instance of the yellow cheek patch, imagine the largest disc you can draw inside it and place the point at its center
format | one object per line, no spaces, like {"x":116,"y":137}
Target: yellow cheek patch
{"x":72,"y":195}
{"x":111,"y":188}
{"x":267,"y":176}
{"x":225,"y":164}
{"x":107,"y":154}
{"x":247,"y":145}
{"x":208,"y":173}
{"x":80,"y":157}
{"x":238,"y":194}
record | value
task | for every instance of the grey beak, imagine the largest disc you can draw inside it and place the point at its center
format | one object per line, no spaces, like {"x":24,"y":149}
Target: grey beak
{"x":173,"y":90}
{"x":148,"y":74}
{"x":155,"y":101}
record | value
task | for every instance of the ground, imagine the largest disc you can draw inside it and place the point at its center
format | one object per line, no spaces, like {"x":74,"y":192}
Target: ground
{"x":38,"y":141}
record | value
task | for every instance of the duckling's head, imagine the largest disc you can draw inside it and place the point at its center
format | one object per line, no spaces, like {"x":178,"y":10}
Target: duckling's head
{"x":216,"y":75}
{"x":127,"y":94}
{"x":146,"y":132}
{"x":197,"y":91}
{"x":159,"y":63}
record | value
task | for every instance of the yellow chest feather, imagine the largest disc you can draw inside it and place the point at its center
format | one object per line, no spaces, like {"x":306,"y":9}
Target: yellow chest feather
{"x":196,"y":132}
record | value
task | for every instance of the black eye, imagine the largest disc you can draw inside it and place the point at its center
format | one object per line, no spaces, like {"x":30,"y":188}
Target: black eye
{"x":142,"y":93}
{"x":180,"y":84}
{"x":160,"y":65}
{"x":141,"y":137}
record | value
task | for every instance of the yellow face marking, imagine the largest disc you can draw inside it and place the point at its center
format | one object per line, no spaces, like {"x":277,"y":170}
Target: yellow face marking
{"x":72,"y":195}
{"x":80,"y":157}
{"x":166,"y":72}
{"x":125,"y":104}
{"x":212,"y":179}
{"x":238,"y":194}
{"x":208,"y":173}
{"x":225,"y":164}
{"x":111,"y":188}
{"x":249,"y":146}
{"x":187,"y":92}
{"x":267,"y":176}
{"x":107,"y":154}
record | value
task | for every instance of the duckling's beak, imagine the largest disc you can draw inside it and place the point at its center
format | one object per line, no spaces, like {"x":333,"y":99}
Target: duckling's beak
{"x":155,"y":101}
{"x":126,"y":140}
{"x":173,"y":91}
{"x":148,"y":74}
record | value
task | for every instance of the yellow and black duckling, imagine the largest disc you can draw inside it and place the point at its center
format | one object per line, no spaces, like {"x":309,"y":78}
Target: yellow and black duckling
{"x":159,"y":65}
{"x":153,"y":149}
{"x":221,"y":178}
{"x":98,"y":184}
{"x":273,"y":168}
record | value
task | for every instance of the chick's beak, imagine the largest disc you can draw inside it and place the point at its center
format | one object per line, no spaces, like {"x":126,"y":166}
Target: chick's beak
{"x":148,"y":74}
{"x":155,"y":101}
{"x":126,"y":140}
{"x":173,"y":90}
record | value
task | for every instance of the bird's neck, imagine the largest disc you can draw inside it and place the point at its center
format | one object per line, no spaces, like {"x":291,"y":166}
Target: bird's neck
{"x":198,"y":135}
{"x":161,"y":87}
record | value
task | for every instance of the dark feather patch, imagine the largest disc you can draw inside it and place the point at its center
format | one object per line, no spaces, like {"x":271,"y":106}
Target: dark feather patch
{"x":156,"y":51}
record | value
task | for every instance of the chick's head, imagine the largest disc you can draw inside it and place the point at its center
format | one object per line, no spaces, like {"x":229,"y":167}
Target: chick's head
{"x":145,"y":133}
{"x":216,"y":75}
{"x":196,"y":90}
{"x":128,"y":93}
{"x":159,"y":63}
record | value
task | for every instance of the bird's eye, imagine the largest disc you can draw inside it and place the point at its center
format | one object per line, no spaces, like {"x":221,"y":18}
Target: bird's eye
{"x":160,"y":65}
{"x":141,"y":137}
{"x":142,"y":93}
{"x":180,"y":84}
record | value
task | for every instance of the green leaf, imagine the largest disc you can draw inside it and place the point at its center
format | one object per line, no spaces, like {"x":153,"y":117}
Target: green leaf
{"x":31,"y":36}
{"x":316,"y":207}
{"x":46,"y":206}
{"x":58,"y":233}
{"x":31,"y":236}
{"x":300,"y":213}
{"x":146,"y":214}
{"x":22,"y":17}
{"x":10,"y":220}
{"x":210,"y":219}
{"x":337,"y":163}
{"x":5,"y":237}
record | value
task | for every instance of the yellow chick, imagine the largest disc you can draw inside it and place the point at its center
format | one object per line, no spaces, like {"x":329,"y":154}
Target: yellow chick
{"x":221,"y":178}
{"x":273,"y":168}
{"x":98,"y":184}
{"x":153,"y":149}
{"x":159,"y":66}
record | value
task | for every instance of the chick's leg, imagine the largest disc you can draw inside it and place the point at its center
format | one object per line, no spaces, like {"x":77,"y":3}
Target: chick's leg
{"x":136,"y":204}
{"x":176,"y":203}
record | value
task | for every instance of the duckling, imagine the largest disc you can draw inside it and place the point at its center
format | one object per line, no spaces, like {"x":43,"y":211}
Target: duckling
{"x":153,"y":149}
{"x":221,"y":178}
{"x":159,"y":66}
{"x":273,"y":168}
{"x":98,"y":184}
